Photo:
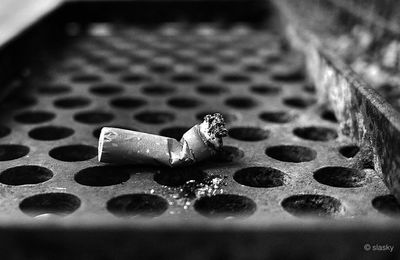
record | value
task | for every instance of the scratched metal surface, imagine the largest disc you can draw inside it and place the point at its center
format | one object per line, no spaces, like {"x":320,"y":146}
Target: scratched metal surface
{"x":285,"y":156}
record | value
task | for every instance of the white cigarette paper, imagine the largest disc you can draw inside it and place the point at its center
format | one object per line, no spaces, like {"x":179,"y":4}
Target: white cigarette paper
{"x":131,"y":147}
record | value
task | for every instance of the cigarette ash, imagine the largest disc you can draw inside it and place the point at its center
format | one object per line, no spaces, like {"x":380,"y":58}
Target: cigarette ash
{"x":185,"y":194}
{"x":214,"y":129}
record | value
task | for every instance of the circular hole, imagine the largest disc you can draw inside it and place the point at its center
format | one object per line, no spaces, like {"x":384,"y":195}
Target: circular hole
{"x":184,"y":78}
{"x":279,"y":117}
{"x":12,"y":151}
{"x":329,"y":116}
{"x":184,"y":102}
{"x":93,"y":117}
{"x":34,"y":117}
{"x":106,"y":89}
{"x":265,"y":90}
{"x":340,"y":177}
{"x":298,"y":102}
{"x":49,"y":133}
{"x":228,"y":118}
{"x":349,"y":151}
{"x":103,"y":175}
{"x":291,"y":153}
{"x":114,"y":68}
{"x":139,"y":58}
{"x":367,"y":163}
{"x":135,"y":78}
{"x":86,"y":78}
{"x":211,"y":90}
{"x":158,"y":90}
{"x":241,"y":102}
{"x":254,"y":68}
{"x":160,"y":68}
{"x":4,"y":131}
{"x":155,"y":117}
{"x":178,"y":176}
{"x":235,"y":78}
{"x":315,"y":133}
{"x":248,"y":133}
{"x":312,"y":205}
{"x":54,"y":90}
{"x":28,"y":174}
{"x":174,"y":132}
{"x":143,"y":205}
{"x":97,"y":131}
{"x":288,"y":74}
{"x":206,"y":68}
{"x":273,"y":59}
{"x":387,"y":205}
{"x":60,"y":204}
{"x":72,"y":102}
{"x":228,"y":154}
{"x":260,"y":177}
{"x":225,"y":205}
{"x":73,"y":153}
{"x":310,"y":88}
{"x":128,"y":103}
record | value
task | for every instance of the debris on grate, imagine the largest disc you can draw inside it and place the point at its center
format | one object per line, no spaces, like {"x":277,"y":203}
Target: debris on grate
{"x":185,"y":194}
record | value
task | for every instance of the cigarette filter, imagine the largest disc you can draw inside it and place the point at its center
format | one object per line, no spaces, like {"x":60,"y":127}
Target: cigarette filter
{"x":197,"y":144}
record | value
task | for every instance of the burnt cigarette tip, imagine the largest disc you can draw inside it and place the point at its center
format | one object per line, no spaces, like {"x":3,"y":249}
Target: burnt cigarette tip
{"x":213,"y":127}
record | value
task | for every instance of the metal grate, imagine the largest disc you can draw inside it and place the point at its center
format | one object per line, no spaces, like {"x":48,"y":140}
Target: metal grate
{"x":284,"y":156}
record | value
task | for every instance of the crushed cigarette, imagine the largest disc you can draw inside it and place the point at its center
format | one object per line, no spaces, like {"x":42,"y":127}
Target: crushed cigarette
{"x":199,"y":143}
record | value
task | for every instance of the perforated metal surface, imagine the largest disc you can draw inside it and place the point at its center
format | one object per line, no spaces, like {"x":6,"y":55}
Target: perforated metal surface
{"x":284,"y":156}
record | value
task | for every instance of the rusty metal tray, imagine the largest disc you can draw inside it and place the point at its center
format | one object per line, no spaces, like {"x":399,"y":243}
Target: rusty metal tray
{"x":305,"y":165}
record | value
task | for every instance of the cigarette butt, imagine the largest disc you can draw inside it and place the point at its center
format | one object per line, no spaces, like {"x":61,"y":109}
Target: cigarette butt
{"x":131,"y":147}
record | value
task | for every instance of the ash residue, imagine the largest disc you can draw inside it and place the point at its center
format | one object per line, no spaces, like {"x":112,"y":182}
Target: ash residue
{"x":215,"y":129}
{"x":193,"y":189}
{"x":216,"y":125}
